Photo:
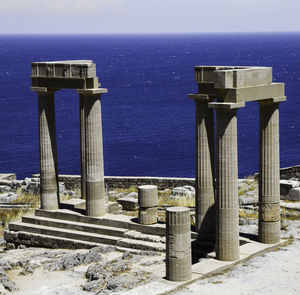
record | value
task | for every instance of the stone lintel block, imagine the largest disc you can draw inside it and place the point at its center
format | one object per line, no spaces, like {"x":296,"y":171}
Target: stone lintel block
{"x":233,"y":76}
{"x":68,"y":83}
{"x":242,"y":77}
{"x":226,"y":105}
{"x":253,"y":93}
{"x":64,"y":69}
{"x":269,"y":212}
{"x":269,"y":232}
{"x":273,"y":100}
{"x":42,"y":90}
{"x":92,"y":91}
{"x":148,"y":195}
{"x":147,"y":216}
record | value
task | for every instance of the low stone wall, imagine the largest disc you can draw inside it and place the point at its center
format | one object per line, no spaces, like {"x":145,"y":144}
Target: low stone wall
{"x":73,"y":181}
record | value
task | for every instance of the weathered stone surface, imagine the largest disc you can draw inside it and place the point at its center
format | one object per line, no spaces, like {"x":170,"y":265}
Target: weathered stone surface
{"x":148,"y":215}
{"x":248,"y":200}
{"x":290,"y":190}
{"x":71,"y":260}
{"x":185,"y":191}
{"x":4,"y":188}
{"x":147,"y":196}
{"x":128,"y":203}
{"x":269,"y":212}
{"x":293,"y":195}
{"x":178,"y":244}
{"x":8,"y":197}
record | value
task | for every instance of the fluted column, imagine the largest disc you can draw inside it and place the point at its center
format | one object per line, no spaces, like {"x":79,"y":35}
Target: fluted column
{"x":178,"y":244}
{"x":48,"y":149}
{"x":205,"y":200}
{"x":227,"y":205}
{"x":95,"y":189}
{"x":269,"y":179}
{"x":82,"y":147}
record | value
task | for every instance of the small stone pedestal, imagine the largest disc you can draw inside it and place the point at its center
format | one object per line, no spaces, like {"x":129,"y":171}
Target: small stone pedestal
{"x":178,"y":244}
{"x":148,"y":201}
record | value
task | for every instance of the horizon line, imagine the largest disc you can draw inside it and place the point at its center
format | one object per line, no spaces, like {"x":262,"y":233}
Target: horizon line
{"x":158,"y":33}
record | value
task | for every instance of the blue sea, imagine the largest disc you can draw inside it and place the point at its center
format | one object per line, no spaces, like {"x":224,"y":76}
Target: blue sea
{"x":148,"y":120}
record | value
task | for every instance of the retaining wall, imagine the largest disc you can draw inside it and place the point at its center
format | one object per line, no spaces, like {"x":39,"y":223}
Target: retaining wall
{"x":73,"y":181}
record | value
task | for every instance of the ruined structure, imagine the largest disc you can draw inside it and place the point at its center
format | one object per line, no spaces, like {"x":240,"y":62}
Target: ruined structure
{"x":148,"y":202}
{"x":48,"y":77}
{"x":178,"y":248}
{"x":226,"y":89}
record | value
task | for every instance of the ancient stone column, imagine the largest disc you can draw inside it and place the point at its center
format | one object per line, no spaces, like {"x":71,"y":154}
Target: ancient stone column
{"x":95,"y":189}
{"x":269,"y":179}
{"x":148,"y":202}
{"x":82,"y":147}
{"x":48,"y":149}
{"x":227,"y":205}
{"x":178,"y":244}
{"x":205,"y":200}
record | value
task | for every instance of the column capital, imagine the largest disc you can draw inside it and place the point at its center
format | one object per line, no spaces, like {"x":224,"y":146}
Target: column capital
{"x":226,"y":106}
{"x":272,"y":100}
{"x":202,"y":98}
{"x":93,"y":91}
{"x":44,"y":90}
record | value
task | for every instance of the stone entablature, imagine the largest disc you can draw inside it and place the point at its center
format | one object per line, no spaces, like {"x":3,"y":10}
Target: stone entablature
{"x":237,"y":84}
{"x":76,"y":74}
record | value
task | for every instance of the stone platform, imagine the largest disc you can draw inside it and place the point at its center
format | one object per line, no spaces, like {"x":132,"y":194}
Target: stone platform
{"x":207,"y":267}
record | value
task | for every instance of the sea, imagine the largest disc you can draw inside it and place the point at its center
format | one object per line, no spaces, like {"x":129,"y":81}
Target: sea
{"x":148,"y":119}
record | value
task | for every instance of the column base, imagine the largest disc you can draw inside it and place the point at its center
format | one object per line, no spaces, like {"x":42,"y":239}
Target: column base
{"x":269,"y":232}
{"x":49,"y":201}
{"x":227,"y":235}
{"x":95,"y":203}
{"x":179,"y":269}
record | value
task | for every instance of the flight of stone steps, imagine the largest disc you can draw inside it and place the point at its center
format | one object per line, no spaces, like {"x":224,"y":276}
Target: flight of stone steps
{"x":66,"y":229}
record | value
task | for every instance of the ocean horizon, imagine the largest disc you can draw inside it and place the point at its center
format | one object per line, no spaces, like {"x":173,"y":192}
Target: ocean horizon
{"x":148,"y":120}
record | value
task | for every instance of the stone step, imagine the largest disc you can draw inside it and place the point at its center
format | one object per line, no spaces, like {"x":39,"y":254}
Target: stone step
{"x":64,"y":233}
{"x":91,"y":237}
{"x":72,"y":225}
{"x":119,"y":221}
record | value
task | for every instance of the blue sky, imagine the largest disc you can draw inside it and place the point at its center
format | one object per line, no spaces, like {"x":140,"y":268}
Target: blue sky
{"x":148,"y":16}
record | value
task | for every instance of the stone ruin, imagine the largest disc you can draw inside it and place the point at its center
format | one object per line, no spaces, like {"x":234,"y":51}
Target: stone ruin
{"x":223,"y":89}
{"x":232,"y":87}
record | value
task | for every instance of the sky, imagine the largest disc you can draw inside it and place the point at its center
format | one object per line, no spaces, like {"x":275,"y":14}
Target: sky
{"x":147,"y":16}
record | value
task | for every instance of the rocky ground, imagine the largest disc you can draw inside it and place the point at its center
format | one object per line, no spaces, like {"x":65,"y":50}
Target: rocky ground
{"x":103,"y":269}
{"x":100,"y":270}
